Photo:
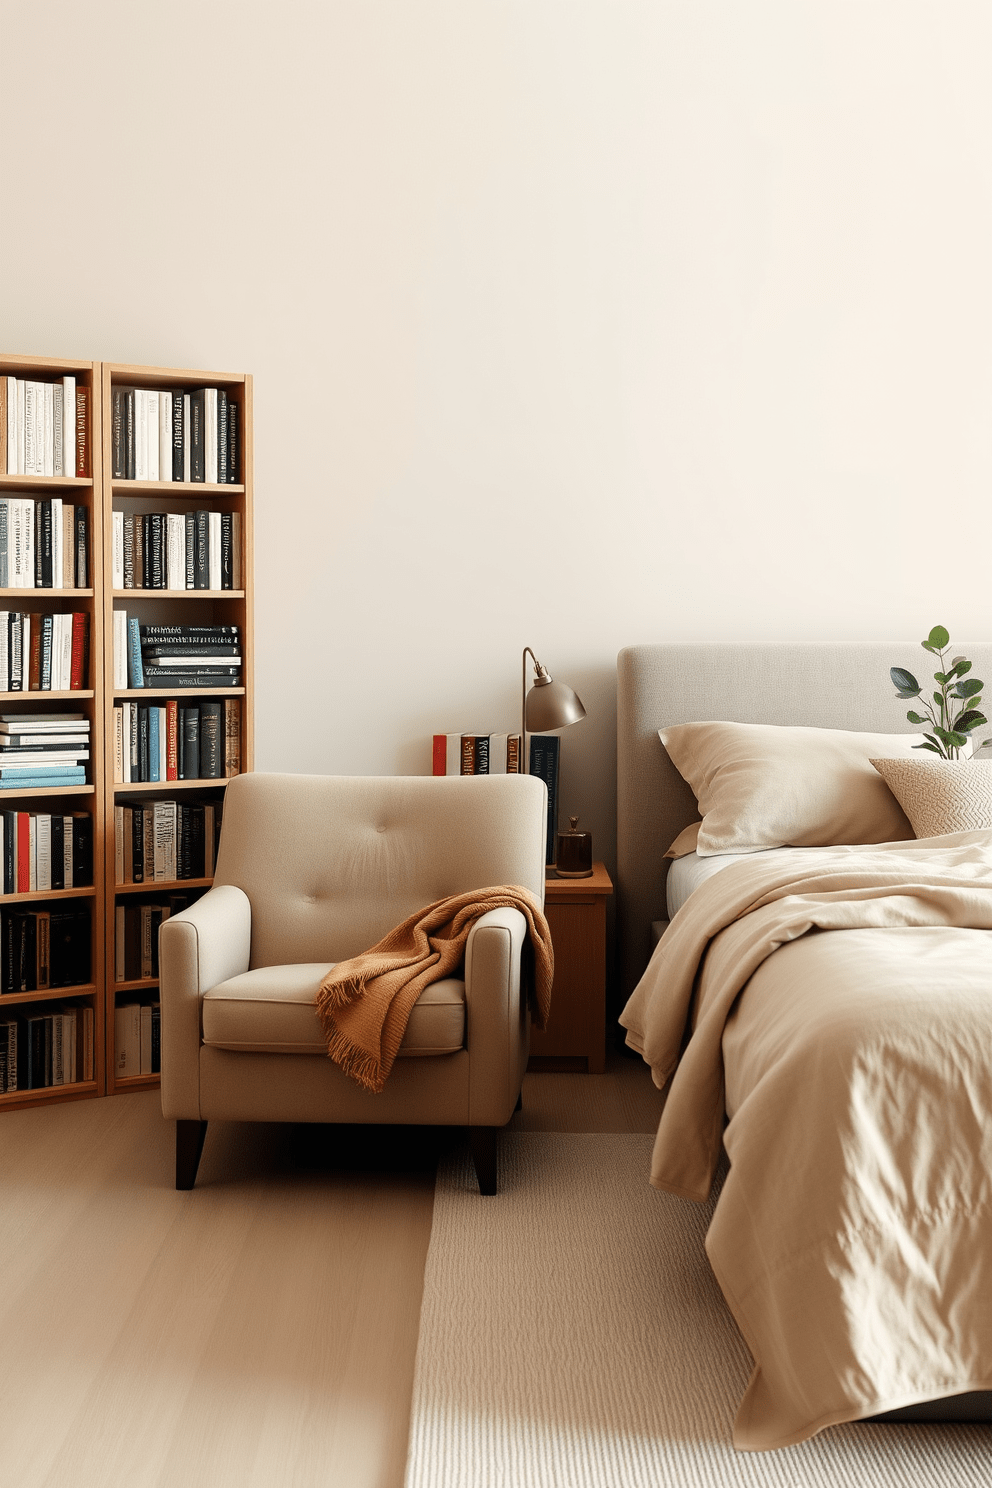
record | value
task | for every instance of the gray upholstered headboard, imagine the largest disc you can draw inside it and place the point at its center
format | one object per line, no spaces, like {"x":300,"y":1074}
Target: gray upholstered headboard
{"x":821,"y":686}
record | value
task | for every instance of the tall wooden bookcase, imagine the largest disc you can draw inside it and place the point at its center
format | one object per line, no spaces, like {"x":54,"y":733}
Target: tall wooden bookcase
{"x":91,"y":798}
{"x":166,"y":607}
{"x":103,"y":495}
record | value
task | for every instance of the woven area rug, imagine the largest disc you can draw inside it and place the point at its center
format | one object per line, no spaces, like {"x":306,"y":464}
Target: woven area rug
{"x":572,"y":1336}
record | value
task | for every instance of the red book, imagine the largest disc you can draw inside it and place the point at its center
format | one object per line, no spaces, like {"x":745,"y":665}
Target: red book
{"x":23,"y":852}
{"x":172,"y":740}
{"x":440,"y":766}
{"x":82,"y":431}
{"x":77,"y":665}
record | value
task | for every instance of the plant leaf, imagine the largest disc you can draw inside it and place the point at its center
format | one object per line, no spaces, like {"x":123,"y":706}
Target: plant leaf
{"x":969,"y":720}
{"x":905,"y":682}
{"x":958,"y":740}
{"x":969,"y":688}
{"x":938,"y":638}
{"x":944,"y":735}
{"x":942,"y":677}
{"x":932,"y":747}
{"x":916,"y":717}
{"x":960,"y":666}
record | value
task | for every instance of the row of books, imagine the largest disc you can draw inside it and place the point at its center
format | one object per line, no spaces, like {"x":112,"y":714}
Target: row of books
{"x":43,"y":544}
{"x":44,"y":427}
{"x":177,"y":550}
{"x":166,"y":841}
{"x":42,"y":652}
{"x":476,"y":754}
{"x":44,"y":1048}
{"x":42,"y":948}
{"x":174,"y":655}
{"x":41,"y":853}
{"x":172,"y":742}
{"x":174,"y":434}
{"x":136,"y":926}
{"x":138,"y":1039}
{"x":40,"y":751}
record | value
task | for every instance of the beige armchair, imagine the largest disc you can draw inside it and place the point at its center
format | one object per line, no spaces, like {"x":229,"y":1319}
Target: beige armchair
{"x":311,"y":870}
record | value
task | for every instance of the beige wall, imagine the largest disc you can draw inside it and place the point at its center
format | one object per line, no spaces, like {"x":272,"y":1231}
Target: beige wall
{"x":572,"y":324}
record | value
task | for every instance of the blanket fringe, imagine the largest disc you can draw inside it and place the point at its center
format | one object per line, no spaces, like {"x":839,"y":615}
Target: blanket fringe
{"x":360,"y":1066}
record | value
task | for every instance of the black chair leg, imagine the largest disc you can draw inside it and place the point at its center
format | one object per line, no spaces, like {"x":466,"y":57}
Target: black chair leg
{"x":520,"y":1102}
{"x":482,"y":1143}
{"x":189,"y":1145}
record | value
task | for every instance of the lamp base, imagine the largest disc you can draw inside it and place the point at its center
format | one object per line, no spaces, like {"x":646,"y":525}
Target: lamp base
{"x":582,"y":873}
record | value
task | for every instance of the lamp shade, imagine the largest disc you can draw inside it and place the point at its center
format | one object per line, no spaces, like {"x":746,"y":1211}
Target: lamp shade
{"x":551,"y":705}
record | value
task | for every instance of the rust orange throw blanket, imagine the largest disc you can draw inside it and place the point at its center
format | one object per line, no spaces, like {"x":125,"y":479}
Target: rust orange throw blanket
{"x":364,"y":1003}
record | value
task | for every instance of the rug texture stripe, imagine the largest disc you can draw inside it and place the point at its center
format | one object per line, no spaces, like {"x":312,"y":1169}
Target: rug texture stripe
{"x":573,"y":1336}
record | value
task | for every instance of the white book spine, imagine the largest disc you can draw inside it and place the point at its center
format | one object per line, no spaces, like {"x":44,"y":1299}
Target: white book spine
{"x":31,"y":429}
{"x":140,"y":435}
{"x":186,"y":444}
{"x":210,"y":437}
{"x":69,"y":424}
{"x":13,"y":465}
{"x":66,"y":652}
{"x":67,"y":847}
{"x":119,"y":745}
{"x":68,"y":546}
{"x":237,"y":567}
{"x":29,"y":536}
{"x":4,"y":651}
{"x":56,"y":543}
{"x":58,"y":1032}
{"x":120,"y":650}
{"x":25,"y":650}
{"x":32,"y":853}
{"x":48,"y":438}
{"x":117,"y":552}
{"x":165,"y":436}
{"x":126,"y":742}
{"x":453,"y":754}
{"x":213,"y":551}
{"x":21,"y":425}
{"x":146,"y":1039}
{"x":58,"y":429}
{"x":70,"y":1062}
{"x":497,"y":754}
{"x":44,"y":850}
{"x":152,"y":435}
{"x":176,"y":550}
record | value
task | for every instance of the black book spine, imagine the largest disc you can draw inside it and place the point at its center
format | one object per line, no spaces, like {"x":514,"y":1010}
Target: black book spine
{"x":26,"y":961}
{"x":82,"y":850}
{"x":9,"y":860}
{"x":142,"y":744}
{"x":226,"y":552}
{"x":43,"y":544}
{"x":212,"y":646}
{"x":47,"y":629}
{"x":155,"y":576}
{"x":156,"y":1039}
{"x":190,"y":550}
{"x":197,"y":453}
{"x":138,"y":844}
{"x":211,"y":741}
{"x":117,"y":432}
{"x":129,"y":433}
{"x":15,"y":637}
{"x":216,"y":678}
{"x":544,"y":750}
{"x":36,"y":1051}
{"x":197,"y":843}
{"x":178,"y":428}
{"x":184,"y":853}
{"x":58,"y":852}
{"x":233,"y":430}
{"x":201,"y":569}
{"x":82,"y":546}
{"x":222,"y":476}
{"x":181,"y":745}
{"x":191,"y":744}
{"x":153,"y":635}
{"x":128,"y":551}
{"x":10,"y":951}
{"x":481,"y":754}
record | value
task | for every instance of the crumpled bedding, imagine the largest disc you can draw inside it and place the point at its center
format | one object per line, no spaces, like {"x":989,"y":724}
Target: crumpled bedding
{"x":838,"y":1006}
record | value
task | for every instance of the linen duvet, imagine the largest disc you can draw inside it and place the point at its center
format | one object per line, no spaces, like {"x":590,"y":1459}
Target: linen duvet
{"x":838,"y":1004}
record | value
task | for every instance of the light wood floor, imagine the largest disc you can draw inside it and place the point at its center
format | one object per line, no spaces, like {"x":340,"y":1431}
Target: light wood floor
{"x":258,"y":1332}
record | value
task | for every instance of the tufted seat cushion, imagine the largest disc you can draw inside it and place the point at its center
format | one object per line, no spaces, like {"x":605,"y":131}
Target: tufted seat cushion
{"x":271,"y":1011}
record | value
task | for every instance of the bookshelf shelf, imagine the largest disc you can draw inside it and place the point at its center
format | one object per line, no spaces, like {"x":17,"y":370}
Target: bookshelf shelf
{"x":46,"y":791}
{"x":38,"y":696}
{"x":167,"y":607}
{"x":45,"y":595}
{"x":79,"y":483}
{"x":50,"y":1095}
{"x":48,"y":994}
{"x":36,"y":896}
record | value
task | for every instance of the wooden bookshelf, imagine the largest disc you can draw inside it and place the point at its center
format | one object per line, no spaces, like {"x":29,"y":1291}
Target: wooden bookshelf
{"x":79,"y":491}
{"x":166,"y":607}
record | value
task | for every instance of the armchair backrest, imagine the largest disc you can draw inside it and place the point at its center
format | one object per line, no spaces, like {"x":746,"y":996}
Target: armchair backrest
{"x":330,"y":863}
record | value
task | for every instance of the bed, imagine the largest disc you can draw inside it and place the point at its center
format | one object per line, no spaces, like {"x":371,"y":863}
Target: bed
{"x":853,"y":1235}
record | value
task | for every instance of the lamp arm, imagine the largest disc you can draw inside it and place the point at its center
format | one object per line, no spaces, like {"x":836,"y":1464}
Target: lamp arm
{"x":523,"y":703}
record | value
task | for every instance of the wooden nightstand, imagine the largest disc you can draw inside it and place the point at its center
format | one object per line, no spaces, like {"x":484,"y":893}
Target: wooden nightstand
{"x":576,"y":1034}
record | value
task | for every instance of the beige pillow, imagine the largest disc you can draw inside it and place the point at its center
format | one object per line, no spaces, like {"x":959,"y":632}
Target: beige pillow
{"x":760,"y":785}
{"x":941,"y":795}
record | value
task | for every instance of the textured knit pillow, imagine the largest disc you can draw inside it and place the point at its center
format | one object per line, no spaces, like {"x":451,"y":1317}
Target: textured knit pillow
{"x":941,"y":795}
{"x":761,"y":785}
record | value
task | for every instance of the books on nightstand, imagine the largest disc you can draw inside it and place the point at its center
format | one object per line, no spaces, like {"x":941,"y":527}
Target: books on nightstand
{"x":476,"y":754}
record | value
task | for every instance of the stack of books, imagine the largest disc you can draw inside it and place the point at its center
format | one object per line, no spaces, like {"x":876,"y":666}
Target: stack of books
{"x":476,"y":754}
{"x":176,"y":550}
{"x":171,"y":434}
{"x":43,"y":544}
{"x":42,"y":948}
{"x":43,"y":653}
{"x":54,"y":1047}
{"x":136,"y":935}
{"x":138,"y":830}
{"x":41,"y":751}
{"x":138,"y":1039}
{"x":172,"y":742}
{"x":44,"y":427}
{"x":42,"y":853}
{"x":175,"y":655}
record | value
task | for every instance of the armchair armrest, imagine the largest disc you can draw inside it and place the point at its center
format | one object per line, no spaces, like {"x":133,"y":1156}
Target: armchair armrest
{"x":206,"y":944}
{"x":496,"y":1021}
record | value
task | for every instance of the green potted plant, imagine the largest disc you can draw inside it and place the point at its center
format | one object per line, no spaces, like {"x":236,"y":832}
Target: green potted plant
{"x":953,"y":711}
